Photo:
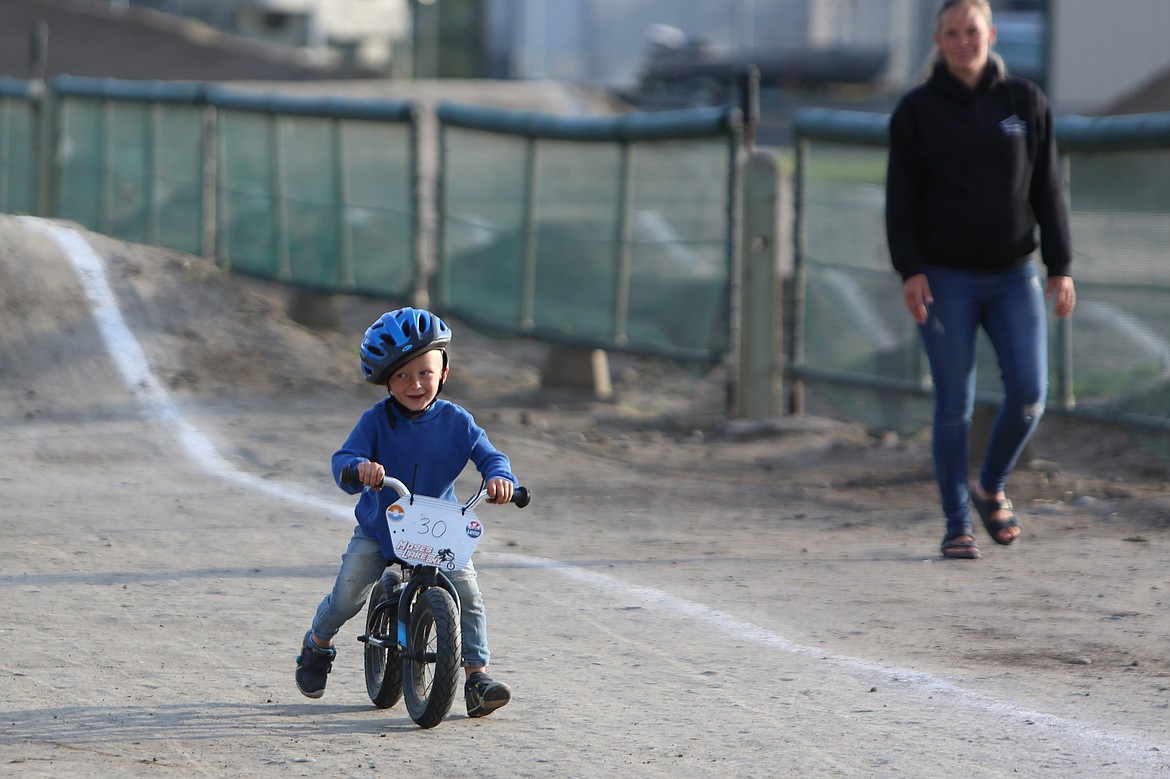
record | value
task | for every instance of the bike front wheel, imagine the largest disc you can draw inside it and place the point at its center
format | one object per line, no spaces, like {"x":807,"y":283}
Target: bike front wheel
{"x":430,"y":672}
{"x":383,"y":667}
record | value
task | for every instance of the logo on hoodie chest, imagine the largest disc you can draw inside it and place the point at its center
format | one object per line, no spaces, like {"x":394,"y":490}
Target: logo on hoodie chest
{"x":1013,"y":127}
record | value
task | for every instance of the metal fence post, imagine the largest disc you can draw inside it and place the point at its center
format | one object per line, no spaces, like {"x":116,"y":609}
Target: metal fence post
{"x":209,"y":201}
{"x":344,"y":241}
{"x":759,"y":370}
{"x":531,"y":197}
{"x":799,"y":275}
{"x":279,"y":201}
{"x":105,"y":167}
{"x":428,"y":244}
{"x":43,"y":130}
{"x":625,"y":205}
{"x":5,"y":151}
{"x":153,"y":195}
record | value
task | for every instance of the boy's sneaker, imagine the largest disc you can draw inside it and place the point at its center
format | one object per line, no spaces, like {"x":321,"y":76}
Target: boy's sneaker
{"x":313,"y":666}
{"x":484,"y":695}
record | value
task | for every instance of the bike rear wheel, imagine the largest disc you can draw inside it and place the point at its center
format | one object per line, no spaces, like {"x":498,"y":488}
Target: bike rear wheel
{"x":431,"y":671}
{"x":383,"y":666}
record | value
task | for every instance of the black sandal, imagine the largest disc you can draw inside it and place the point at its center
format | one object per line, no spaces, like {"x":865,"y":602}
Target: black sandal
{"x":988,"y":506}
{"x":961,"y":547}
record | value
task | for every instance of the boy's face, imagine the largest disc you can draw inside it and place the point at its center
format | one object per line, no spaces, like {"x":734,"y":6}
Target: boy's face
{"x":416,"y":384}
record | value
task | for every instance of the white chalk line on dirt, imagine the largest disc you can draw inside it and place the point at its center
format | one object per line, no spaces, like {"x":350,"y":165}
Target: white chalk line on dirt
{"x":899,"y":678}
{"x":132,"y":364}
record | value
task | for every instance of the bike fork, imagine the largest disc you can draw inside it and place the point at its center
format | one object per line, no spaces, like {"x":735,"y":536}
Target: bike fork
{"x":422,"y":577}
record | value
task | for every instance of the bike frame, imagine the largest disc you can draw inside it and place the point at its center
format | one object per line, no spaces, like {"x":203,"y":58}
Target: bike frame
{"x":430,"y":538}
{"x":420,"y":576}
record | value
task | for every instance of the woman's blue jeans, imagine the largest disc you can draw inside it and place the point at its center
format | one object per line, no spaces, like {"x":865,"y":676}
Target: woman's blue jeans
{"x":1009,"y":306}
{"x":363,"y":564}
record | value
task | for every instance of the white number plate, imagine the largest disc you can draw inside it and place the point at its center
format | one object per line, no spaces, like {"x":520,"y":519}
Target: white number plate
{"x":434,"y":532}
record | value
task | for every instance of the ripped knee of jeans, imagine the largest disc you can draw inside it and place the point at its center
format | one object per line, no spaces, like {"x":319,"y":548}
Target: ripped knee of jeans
{"x":1033,"y":411}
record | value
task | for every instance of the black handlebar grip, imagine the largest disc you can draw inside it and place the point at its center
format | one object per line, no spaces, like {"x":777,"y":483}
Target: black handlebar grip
{"x":521,"y":497}
{"x":349,"y":475}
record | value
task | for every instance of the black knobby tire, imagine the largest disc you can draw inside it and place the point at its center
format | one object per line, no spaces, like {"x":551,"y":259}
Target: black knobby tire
{"x":383,"y":666}
{"x":431,"y":674}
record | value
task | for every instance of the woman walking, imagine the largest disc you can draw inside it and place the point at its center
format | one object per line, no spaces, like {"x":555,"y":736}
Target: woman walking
{"x":973,"y":176}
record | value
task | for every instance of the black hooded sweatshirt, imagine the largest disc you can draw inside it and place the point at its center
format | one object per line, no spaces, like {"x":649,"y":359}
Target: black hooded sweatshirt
{"x":972,"y":173}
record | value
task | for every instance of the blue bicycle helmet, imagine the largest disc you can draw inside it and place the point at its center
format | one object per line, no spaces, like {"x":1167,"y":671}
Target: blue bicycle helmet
{"x":397,"y":338}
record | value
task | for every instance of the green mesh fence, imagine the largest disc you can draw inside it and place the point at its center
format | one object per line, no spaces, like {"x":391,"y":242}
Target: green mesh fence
{"x":381,"y":210}
{"x":81,"y":166}
{"x":130,"y":168}
{"x":177,"y":178}
{"x":854,"y":323}
{"x":17,"y":154}
{"x":858,"y":349}
{"x":590,"y":238}
{"x":611,"y":232}
{"x":133,"y":171}
{"x":317,"y":202}
{"x":1121,"y":231}
{"x":483,"y":225}
{"x":247,"y":218}
{"x":315,"y":192}
{"x":618,"y":233}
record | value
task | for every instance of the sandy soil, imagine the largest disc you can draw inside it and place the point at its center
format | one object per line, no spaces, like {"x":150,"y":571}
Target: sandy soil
{"x":687,"y":595}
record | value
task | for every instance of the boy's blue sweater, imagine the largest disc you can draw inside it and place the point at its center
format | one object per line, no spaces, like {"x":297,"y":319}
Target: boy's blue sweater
{"x":426,"y":454}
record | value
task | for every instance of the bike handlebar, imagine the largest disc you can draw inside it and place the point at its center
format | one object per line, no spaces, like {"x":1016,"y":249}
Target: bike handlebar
{"x":521,"y":496}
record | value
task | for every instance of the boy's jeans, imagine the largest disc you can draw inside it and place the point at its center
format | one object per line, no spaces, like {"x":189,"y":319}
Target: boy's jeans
{"x":1009,"y":306}
{"x":363,"y":564}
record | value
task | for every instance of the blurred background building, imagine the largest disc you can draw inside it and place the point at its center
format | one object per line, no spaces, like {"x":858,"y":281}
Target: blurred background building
{"x":1088,"y":54}
{"x":1091,"y":56}
{"x":359,"y":33}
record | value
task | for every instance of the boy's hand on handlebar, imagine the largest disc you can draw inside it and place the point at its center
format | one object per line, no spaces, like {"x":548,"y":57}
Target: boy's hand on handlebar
{"x":371,"y":475}
{"x":499,"y":490}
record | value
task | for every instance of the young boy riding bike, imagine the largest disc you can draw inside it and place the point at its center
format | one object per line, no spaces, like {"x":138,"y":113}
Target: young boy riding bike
{"x":426,"y":443}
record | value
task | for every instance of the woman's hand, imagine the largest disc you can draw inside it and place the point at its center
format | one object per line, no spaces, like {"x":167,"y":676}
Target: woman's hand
{"x":1061,"y":287}
{"x":916,"y":293}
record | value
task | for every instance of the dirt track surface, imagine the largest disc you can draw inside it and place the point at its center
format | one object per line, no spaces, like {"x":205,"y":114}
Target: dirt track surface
{"x":685,"y":597}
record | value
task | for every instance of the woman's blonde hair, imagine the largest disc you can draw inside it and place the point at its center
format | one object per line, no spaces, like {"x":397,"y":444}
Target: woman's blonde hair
{"x":982,"y":6}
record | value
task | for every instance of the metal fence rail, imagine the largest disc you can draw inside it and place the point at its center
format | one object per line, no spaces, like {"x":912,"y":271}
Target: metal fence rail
{"x":20,"y":146}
